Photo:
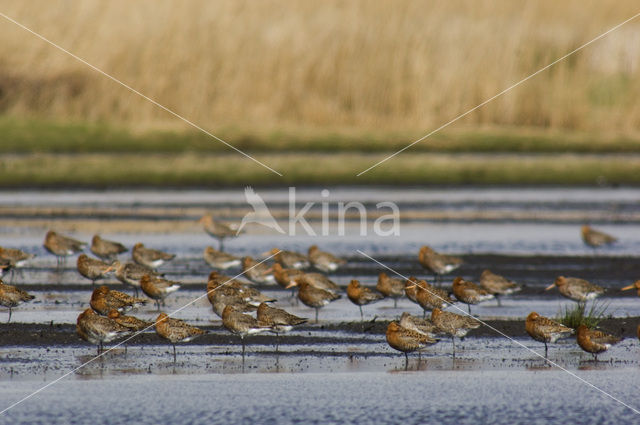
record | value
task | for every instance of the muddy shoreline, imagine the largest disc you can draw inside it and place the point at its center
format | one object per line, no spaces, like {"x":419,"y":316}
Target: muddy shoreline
{"x":63,"y":335}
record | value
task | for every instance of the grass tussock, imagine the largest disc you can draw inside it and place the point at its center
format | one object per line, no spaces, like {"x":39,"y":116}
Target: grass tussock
{"x":402,"y":66}
{"x":579,"y":314}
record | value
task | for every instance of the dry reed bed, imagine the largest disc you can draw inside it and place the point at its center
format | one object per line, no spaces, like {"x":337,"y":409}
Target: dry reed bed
{"x":370,"y":66}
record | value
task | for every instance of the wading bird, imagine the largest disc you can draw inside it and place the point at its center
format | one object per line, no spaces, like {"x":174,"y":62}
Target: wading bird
{"x":11,"y":297}
{"x":438,"y":264}
{"x":176,"y":331}
{"x":595,"y":342}
{"x":106,"y":249}
{"x":545,"y":330}
{"x":406,"y":340}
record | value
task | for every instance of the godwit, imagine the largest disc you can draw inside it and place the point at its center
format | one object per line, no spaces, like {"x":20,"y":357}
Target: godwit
{"x":217,"y":229}
{"x":595,"y":238}
{"x":249,"y":294}
{"x":221,"y":296}
{"x":129,"y":322}
{"x":106,"y":249}
{"x":278,"y":320}
{"x":257,"y":272}
{"x":92,"y":269}
{"x":283,"y":276}
{"x":634,"y":285}
{"x":290,"y":259}
{"x":219,"y":259}
{"x":317,"y":280}
{"x":98,"y":329}
{"x":406,"y":340}
{"x":62,"y":246}
{"x":595,"y":342}
{"x":152,"y":258}
{"x":242,"y":324}
{"x":312,"y":296}
{"x":13,"y":259}
{"x":497,"y":285}
{"x":10,"y":297}
{"x":469,"y":293}
{"x":439,"y":264}
{"x":157,"y":288}
{"x":576,"y":289}
{"x":103,"y":300}
{"x":390,"y":287}
{"x":426,"y":296}
{"x":453,"y":324}
{"x":545,"y":330}
{"x":422,"y":325}
{"x":176,"y":330}
{"x":324,"y":261}
{"x":361,"y":295}
{"x":131,"y":273}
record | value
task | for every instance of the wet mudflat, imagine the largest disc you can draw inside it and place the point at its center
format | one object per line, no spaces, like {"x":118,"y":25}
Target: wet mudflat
{"x":339,"y":370}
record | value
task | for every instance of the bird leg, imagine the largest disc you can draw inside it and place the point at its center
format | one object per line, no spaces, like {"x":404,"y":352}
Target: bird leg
{"x":453,"y":341}
{"x":9,"y":315}
{"x":395,"y":303}
{"x":361,"y":315}
{"x":174,"y":354}
{"x":317,"y":314}
{"x":469,"y":308}
{"x":545,"y":349}
{"x":406,"y":361}
{"x":498,"y":299}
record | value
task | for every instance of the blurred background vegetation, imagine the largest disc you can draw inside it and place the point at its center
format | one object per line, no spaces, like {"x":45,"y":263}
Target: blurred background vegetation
{"x":324,"y":89}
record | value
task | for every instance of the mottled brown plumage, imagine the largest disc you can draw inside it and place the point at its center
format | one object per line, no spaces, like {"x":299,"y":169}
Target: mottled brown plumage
{"x":422,"y":325}
{"x":290,"y":259}
{"x":577,"y":289}
{"x":219,"y":259}
{"x":283,"y":276}
{"x":257,"y":272}
{"x":98,"y":329}
{"x":469,"y":293}
{"x":131,"y":273}
{"x":438,"y":264}
{"x":129,"y":322}
{"x":595,"y":238}
{"x":406,"y":340}
{"x":176,"y":330}
{"x":545,"y":330}
{"x":106,"y":249}
{"x":426,"y":296}
{"x":242,"y":324}
{"x":151,"y":258}
{"x":62,"y":246}
{"x":104,"y":300}
{"x":324,"y":261}
{"x":92,"y":269}
{"x":497,"y":285}
{"x":390,"y":287}
{"x":11,"y":297}
{"x":594,"y":341}
{"x":455,"y":325}
{"x":158,"y":288}
{"x":278,"y":319}
{"x":361,"y":295}
{"x":314,"y":297}
{"x":217,"y":229}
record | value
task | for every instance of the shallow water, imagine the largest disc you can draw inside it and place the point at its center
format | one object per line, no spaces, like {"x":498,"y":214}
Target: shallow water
{"x":326,"y":373}
{"x":462,"y":397}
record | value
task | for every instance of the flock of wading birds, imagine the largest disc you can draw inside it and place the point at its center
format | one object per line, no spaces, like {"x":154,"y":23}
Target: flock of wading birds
{"x":235,"y":301}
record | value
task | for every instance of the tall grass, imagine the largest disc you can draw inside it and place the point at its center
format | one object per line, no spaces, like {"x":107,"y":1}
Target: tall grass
{"x":371,"y":66}
{"x":577,"y":314}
